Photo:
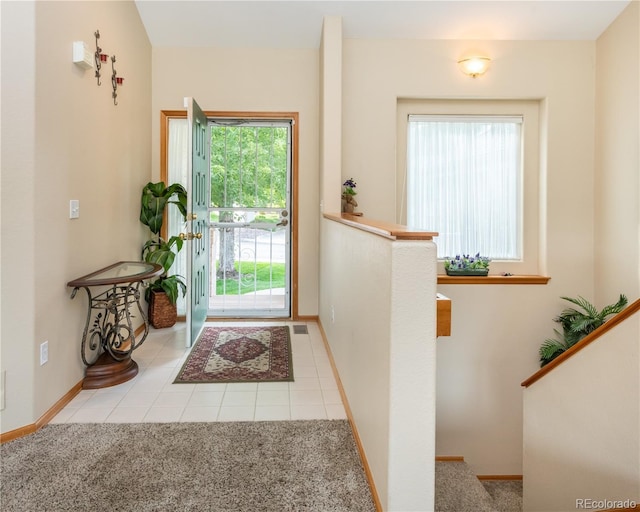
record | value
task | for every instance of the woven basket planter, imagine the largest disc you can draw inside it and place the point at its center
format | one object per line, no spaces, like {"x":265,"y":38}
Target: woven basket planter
{"x":162,"y":313}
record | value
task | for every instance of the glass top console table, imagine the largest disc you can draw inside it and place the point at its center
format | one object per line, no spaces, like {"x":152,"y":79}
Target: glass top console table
{"x":109,"y":337}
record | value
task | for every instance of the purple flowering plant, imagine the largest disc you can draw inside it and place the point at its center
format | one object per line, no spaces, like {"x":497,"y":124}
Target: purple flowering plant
{"x":349,"y":186}
{"x":467,"y":262}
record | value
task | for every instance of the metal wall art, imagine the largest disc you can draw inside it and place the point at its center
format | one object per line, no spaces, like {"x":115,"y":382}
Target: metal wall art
{"x":114,"y":80}
{"x":99,"y":58}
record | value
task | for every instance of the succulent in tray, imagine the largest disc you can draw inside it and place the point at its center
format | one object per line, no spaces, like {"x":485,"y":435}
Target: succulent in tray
{"x":467,"y":262}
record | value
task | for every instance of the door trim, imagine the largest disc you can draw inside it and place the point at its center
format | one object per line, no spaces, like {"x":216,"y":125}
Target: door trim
{"x":165,"y":115}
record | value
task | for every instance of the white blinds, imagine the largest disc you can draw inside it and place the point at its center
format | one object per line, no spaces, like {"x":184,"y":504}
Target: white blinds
{"x":464,"y":181}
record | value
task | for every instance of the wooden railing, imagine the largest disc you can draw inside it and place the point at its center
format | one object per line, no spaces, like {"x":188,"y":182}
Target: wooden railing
{"x":386,"y":229}
{"x":443,"y":315}
{"x":590,"y":338}
{"x":399,"y":232}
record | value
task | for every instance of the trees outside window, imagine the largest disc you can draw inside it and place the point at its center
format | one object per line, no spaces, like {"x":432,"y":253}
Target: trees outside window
{"x":248,"y":177}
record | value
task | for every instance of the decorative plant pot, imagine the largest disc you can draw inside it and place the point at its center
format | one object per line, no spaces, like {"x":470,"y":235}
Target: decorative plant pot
{"x":468,"y":272}
{"x":349,"y":203}
{"x":162,"y":313}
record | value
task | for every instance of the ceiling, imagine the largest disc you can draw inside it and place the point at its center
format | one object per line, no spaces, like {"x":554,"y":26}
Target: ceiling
{"x":297,"y":24}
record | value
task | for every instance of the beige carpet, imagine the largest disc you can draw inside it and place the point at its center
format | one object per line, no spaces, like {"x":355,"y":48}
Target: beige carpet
{"x":459,"y":490}
{"x":506,"y":494}
{"x":221,"y":467}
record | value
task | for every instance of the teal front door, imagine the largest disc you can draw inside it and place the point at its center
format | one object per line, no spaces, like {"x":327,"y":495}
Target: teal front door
{"x":197,"y":236}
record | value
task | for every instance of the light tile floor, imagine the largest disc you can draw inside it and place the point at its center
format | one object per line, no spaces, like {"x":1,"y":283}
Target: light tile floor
{"x":152,"y":397}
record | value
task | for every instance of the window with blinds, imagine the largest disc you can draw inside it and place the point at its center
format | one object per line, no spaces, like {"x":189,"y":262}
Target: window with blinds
{"x":464,"y":180}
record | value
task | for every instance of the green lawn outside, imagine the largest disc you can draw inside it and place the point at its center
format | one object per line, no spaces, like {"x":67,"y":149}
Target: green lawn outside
{"x":254,"y":277}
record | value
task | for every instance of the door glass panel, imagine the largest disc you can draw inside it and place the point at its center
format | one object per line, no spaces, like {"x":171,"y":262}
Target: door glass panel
{"x":249,"y":244}
{"x":251,"y":270}
{"x":250,"y":168}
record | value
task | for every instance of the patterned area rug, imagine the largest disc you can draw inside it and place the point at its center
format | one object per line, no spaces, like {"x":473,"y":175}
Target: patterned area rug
{"x":239,"y":354}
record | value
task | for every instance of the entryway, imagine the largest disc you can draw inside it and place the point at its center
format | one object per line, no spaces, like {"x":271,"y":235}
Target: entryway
{"x":250,"y":224}
{"x":252,"y":214}
{"x":152,"y":397}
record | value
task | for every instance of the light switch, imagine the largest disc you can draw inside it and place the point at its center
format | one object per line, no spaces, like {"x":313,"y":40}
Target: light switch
{"x":74,"y":209}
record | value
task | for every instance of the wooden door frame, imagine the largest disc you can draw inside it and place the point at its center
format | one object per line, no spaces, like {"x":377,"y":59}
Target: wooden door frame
{"x":165,"y":115}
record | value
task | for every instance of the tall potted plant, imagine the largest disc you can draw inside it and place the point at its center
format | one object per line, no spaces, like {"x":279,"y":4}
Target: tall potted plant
{"x":162,"y":294}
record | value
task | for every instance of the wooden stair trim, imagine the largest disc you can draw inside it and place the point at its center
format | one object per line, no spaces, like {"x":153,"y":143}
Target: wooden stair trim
{"x":459,"y":458}
{"x":590,"y":338}
{"x":500,"y":477}
{"x":443,"y":315}
{"x":381,"y":228}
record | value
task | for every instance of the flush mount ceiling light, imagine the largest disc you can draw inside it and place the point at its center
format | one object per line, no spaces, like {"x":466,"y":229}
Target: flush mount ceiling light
{"x":474,"y":66}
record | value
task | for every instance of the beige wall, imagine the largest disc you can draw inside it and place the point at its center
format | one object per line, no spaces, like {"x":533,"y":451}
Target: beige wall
{"x":599,"y":390}
{"x":496,"y":330}
{"x":330,"y":96}
{"x":17,"y":326}
{"x":617,"y":188}
{"x":379,"y":296}
{"x":224,"y":79}
{"x":600,"y":385}
{"x":71,"y":143}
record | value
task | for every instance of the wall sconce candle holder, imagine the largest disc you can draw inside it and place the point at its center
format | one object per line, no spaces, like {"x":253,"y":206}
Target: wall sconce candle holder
{"x":98,"y":56}
{"x":114,"y":80}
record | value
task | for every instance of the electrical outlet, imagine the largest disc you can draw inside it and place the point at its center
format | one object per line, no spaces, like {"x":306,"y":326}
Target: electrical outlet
{"x":3,"y":380}
{"x":333,"y":315}
{"x":44,"y":352}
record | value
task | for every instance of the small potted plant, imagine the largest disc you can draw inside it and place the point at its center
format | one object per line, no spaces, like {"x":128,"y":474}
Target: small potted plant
{"x":349,"y":202}
{"x":162,"y":293}
{"x":466,"y":265}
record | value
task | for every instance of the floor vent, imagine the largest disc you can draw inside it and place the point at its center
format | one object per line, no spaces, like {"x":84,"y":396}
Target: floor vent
{"x":300,"y":329}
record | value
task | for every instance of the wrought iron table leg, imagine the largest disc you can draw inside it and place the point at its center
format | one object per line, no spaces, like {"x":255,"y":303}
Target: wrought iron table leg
{"x":111,"y":363}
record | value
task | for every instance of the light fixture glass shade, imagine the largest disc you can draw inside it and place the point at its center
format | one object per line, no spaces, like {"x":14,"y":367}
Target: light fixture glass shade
{"x":474,"y":66}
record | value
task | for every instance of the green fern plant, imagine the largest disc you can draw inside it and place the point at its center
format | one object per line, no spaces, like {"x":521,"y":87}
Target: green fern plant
{"x":576,"y":325}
